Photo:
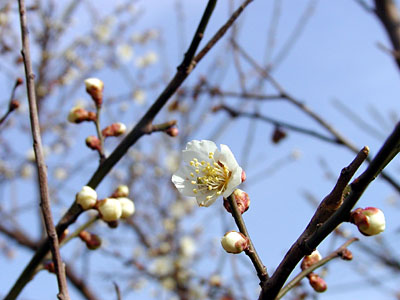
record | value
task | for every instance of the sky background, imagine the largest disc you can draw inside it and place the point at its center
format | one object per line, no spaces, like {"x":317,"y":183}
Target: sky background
{"x":336,"y":58}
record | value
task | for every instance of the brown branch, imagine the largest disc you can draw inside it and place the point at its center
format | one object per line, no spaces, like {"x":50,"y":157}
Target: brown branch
{"x":236,"y":113}
{"x":40,"y":163}
{"x":251,"y":251}
{"x":342,"y":140}
{"x":331,"y":203}
{"x":13,"y":104}
{"x":137,"y":132}
{"x":388,"y":14}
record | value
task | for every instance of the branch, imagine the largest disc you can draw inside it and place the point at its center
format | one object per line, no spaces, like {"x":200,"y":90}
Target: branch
{"x":388,"y":14}
{"x":300,"y":248}
{"x":235,"y":113}
{"x":138,"y":131}
{"x":40,"y":163}
{"x":251,"y":251}
{"x":12,"y":103}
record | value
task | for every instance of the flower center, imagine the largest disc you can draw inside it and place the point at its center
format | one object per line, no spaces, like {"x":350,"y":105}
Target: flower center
{"x":209,"y":177}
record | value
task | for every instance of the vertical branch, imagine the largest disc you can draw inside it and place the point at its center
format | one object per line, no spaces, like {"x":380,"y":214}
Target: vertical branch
{"x":40,"y":163}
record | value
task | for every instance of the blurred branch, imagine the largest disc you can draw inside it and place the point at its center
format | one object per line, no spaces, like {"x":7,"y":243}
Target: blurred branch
{"x":12,"y":103}
{"x":388,"y":14}
{"x":40,"y":163}
{"x":341,"y":139}
{"x":138,"y":131}
{"x":235,"y":113}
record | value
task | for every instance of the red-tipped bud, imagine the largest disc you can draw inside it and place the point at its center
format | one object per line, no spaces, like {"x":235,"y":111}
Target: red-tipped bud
{"x":242,"y":200}
{"x":94,"y":87}
{"x":278,"y":135}
{"x":115,"y":129}
{"x":243,"y":176}
{"x":49,"y":266}
{"x":311,"y":259}
{"x":91,"y":116}
{"x":19,"y":81}
{"x":346,"y":254}
{"x":14,"y":104}
{"x":370,"y":220}
{"x":234,"y":242}
{"x":317,"y":283}
{"x":120,"y":191}
{"x":91,"y":240}
{"x":172,"y":131}
{"x":93,"y":143}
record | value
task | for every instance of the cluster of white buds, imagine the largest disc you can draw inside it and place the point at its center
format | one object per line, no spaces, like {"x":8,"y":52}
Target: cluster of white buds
{"x":94,"y":87}
{"x":369,"y":221}
{"x":234,"y":242}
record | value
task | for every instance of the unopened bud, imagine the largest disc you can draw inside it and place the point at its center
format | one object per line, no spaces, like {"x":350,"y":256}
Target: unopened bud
{"x":94,"y":87}
{"x":127,"y":206}
{"x":346,"y":254}
{"x":120,"y":191}
{"x":242,"y":200}
{"x":49,"y":266}
{"x":115,"y":129}
{"x":91,"y":240}
{"x":234,"y":242}
{"x":278,"y":135}
{"x":243,"y":177}
{"x":93,"y":143}
{"x":14,"y":104}
{"x":86,"y":198}
{"x":63,"y":235}
{"x":311,"y":259}
{"x":317,"y":283}
{"x":110,"y":209}
{"x":370,"y":220}
{"x":172,"y":131}
{"x":77,"y":115}
{"x":19,"y":81}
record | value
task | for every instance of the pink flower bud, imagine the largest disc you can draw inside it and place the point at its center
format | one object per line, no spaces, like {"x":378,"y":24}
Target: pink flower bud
{"x":234,"y":242}
{"x":370,"y":220}
{"x":120,"y":191}
{"x":93,"y":143}
{"x":243,"y":176}
{"x":110,"y":209}
{"x":346,"y":254}
{"x":242,"y":200}
{"x":86,"y":198}
{"x":311,"y":259}
{"x":14,"y":104}
{"x":115,"y":129}
{"x":91,"y":240}
{"x":172,"y":131}
{"x":94,"y":87}
{"x":317,"y":283}
{"x":77,"y":115}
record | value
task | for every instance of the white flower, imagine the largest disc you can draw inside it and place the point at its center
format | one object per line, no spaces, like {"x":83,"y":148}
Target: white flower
{"x":125,"y":52}
{"x":87,"y":197}
{"x":207,"y":172}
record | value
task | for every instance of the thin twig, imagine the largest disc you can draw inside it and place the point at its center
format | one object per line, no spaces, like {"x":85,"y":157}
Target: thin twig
{"x":138,"y":131}
{"x":12,"y":103}
{"x":41,"y":165}
{"x":251,"y":251}
{"x":335,"y":254}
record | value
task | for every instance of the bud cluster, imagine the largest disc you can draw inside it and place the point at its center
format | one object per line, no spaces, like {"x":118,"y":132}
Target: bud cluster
{"x":317,"y":283}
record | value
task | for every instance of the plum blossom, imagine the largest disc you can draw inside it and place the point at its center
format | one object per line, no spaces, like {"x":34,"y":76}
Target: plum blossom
{"x":207,"y":172}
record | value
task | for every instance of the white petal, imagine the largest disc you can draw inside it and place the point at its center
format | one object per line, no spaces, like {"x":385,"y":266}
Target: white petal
{"x":227,"y":158}
{"x":235,"y":180}
{"x":183,"y":182}
{"x":203,"y":201}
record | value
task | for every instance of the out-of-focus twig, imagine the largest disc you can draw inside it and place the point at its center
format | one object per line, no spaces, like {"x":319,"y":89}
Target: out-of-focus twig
{"x":40,"y":163}
{"x":13,"y":104}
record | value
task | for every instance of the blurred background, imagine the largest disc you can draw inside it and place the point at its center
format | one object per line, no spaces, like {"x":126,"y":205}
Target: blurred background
{"x":268,"y":90}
